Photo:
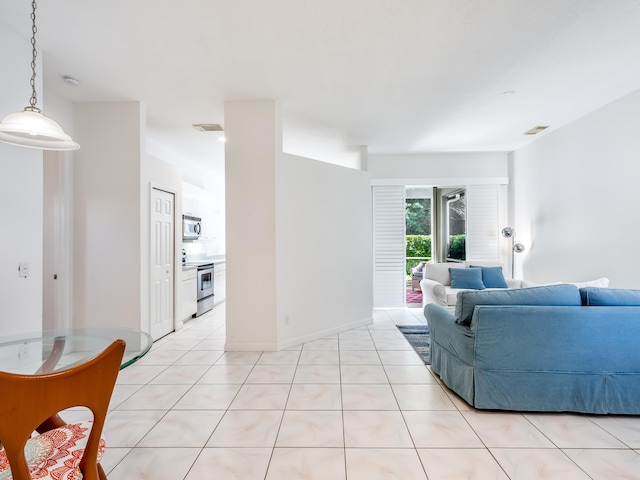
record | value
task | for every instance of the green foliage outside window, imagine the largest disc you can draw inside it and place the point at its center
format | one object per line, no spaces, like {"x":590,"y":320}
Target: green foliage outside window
{"x":418,"y":216}
{"x":418,"y":246}
{"x":457,"y":247}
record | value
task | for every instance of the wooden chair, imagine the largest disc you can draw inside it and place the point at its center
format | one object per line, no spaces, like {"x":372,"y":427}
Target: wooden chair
{"x":30,"y":403}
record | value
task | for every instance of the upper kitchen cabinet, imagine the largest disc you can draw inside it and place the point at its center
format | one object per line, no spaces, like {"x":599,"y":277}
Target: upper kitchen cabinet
{"x":191,"y":199}
{"x":196,"y":201}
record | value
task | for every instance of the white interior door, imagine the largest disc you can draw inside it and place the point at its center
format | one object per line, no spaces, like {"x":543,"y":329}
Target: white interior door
{"x":162,"y":262}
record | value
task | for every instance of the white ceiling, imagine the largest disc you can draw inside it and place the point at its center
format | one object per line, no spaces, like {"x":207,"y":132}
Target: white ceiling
{"x":398,"y":76}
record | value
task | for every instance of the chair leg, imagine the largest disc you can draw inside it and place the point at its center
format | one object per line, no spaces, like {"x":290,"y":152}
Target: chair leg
{"x":101,"y":474}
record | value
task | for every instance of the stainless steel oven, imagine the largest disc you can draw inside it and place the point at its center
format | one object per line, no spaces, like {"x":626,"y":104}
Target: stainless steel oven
{"x":205,"y":288}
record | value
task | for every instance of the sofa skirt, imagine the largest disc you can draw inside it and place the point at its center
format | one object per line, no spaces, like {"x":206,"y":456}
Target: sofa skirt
{"x":531,"y":391}
{"x":454,"y":373}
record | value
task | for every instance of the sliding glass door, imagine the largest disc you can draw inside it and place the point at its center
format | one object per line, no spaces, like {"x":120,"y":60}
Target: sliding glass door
{"x":451,"y":229}
{"x":414,"y":224}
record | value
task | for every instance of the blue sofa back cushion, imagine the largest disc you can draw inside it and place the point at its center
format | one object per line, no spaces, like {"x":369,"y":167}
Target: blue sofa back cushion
{"x":466,"y":278}
{"x":549,"y":295}
{"x":606,"y":297}
{"x":492,"y":277}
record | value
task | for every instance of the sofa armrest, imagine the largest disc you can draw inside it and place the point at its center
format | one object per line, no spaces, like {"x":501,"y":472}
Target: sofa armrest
{"x":433,"y":292}
{"x":438,"y":314}
{"x":453,"y":337}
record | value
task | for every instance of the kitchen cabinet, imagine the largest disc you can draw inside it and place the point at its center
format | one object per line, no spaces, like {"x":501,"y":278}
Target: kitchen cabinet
{"x":219,"y":282}
{"x":188,"y":304}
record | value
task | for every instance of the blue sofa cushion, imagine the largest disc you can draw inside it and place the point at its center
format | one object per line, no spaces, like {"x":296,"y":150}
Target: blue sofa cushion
{"x":604,"y":297}
{"x":492,"y":277}
{"x":466,"y":278}
{"x":550,"y":295}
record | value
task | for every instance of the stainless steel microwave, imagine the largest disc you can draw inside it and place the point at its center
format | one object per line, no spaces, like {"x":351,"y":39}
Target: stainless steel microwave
{"x":191,"y":227}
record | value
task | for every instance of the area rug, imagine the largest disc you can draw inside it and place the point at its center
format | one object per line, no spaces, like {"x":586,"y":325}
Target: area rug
{"x":418,"y":337}
{"x":414,"y":297}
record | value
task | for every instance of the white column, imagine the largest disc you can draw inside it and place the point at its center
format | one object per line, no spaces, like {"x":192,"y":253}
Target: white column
{"x":107,"y":217}
{"x":253,"y":130}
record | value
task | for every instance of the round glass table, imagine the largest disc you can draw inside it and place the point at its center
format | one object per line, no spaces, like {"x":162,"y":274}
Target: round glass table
{"x":53,"y":350}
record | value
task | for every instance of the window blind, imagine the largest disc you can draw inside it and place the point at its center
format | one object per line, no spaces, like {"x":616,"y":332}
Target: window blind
{"x":483,"y":230}
{"x":389,"y":246}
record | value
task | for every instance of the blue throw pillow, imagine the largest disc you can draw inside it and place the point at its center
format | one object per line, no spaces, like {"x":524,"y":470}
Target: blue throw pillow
{"x":492,"y":277}
{"x":470,"y":278}
{"x":553,"y":295}
{"x":604,"y":297}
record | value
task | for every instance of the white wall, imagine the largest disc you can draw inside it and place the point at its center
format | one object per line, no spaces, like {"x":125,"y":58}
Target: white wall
{"x":107,"y":219}
{"x":194,"y":170}
{"x":321,"y":143}
{"x":575,"y":199}
{"x":440,"y":168}
{"x":21,"y":177}
{"x":324,"y":249}
{"x":298,"y":238}
{"x":57,"y":308}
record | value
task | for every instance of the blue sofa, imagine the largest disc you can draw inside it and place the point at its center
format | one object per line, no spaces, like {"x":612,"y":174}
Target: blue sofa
{"x":552,"y":348}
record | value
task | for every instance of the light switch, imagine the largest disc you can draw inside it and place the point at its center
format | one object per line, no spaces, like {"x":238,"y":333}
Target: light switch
{"x":23,"y":269}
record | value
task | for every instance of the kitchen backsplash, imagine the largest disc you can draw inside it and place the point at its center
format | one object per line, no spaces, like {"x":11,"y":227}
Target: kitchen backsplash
{"x":200,"y":250}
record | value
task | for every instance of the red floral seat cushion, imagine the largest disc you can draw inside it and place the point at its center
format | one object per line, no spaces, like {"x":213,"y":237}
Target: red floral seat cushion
{"x":55,"y":454}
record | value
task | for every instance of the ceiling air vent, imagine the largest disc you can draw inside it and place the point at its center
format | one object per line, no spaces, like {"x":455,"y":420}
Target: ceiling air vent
{"x":208,"y":127}
{"x":536,"y":130}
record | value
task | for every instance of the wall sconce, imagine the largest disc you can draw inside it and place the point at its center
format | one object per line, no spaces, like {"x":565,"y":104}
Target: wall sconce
{"x":516,"y":247}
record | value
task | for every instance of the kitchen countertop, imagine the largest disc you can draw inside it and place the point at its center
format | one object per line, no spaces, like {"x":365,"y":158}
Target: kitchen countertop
{"x":217,"y":259}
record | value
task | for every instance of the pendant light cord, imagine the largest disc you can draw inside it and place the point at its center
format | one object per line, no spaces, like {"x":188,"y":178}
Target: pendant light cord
{"x":34,"y":52}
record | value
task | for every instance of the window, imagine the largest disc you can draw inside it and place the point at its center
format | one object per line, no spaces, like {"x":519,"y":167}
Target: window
{"x":456,"y":226}
{"x":437,"y":224}
{"x":418,"y":225}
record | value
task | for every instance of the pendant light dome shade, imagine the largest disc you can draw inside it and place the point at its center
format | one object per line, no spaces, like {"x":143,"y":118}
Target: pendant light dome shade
{"x":30,"y":128}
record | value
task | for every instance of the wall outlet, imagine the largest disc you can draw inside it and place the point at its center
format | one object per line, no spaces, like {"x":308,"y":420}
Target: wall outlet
{"x":23,"y":269}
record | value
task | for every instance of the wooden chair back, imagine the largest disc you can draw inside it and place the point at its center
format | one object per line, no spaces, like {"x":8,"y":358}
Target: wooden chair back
{"x":30,"y":401}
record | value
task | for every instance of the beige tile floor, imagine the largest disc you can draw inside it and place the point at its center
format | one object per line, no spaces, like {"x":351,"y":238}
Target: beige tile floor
{"x":359,"y":405}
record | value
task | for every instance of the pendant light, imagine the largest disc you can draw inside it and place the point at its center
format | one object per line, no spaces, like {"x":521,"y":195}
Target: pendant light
{"x":30,"y":128}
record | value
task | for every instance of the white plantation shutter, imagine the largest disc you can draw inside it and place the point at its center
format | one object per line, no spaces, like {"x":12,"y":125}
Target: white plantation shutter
{"x":389,"y":246}
{"x":483,"y":229}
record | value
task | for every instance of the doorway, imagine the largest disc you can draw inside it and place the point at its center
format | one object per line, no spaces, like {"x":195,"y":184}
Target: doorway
{"x":435,"y":231}
{"x":451,"y":229}
{"x":418,"y":239}
{"x":162,"y":254}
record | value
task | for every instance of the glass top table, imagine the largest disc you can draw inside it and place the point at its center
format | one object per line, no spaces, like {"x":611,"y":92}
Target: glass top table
{"x":53,"y":350}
